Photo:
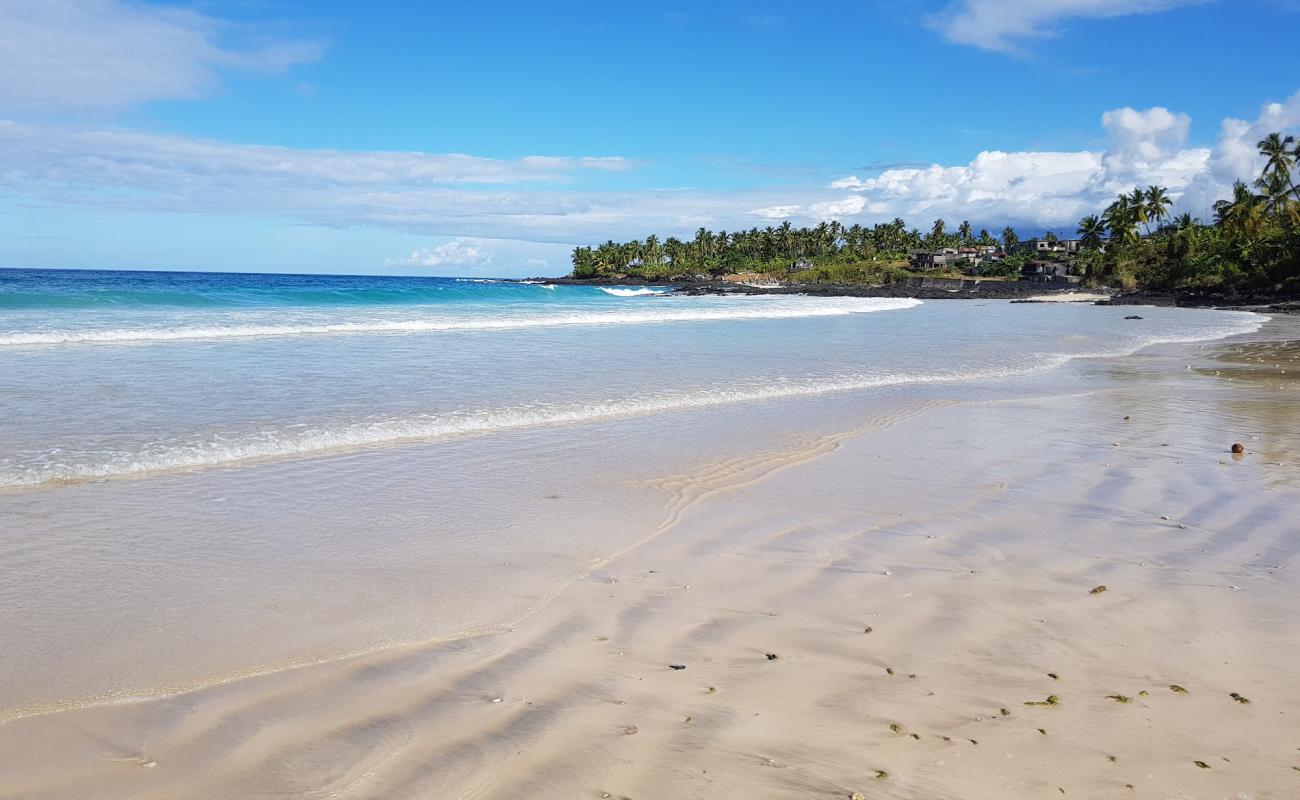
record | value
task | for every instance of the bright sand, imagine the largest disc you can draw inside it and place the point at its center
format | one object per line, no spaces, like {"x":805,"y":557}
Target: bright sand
{"x":921,"y":582}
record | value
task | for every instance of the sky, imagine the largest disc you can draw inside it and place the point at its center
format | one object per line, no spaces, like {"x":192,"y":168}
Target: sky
{"x":490,"y":138}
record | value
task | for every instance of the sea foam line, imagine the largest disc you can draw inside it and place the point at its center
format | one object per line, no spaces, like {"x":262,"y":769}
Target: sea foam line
{"x":640,"y":292}
{"x":659,"y":315}
{"x":356,"y":436}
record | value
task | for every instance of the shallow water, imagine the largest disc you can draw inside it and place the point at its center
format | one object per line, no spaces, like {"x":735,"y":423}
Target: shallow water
{"x":207,"y":476}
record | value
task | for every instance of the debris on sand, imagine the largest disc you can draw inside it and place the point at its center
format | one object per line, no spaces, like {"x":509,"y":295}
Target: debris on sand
{"x":772,"y":656}
{"x":1239,"y":698}
{"x":676,"y":666}
{"x":1097,"y":589}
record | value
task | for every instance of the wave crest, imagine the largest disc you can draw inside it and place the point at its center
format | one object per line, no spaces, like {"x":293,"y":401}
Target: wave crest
{"x":632,"y":292}
{"x":731,"y":310}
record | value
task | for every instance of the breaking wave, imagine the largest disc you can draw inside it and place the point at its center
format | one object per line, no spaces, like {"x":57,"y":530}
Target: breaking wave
{"x":632,"y":292}
{"x":785,"y":308}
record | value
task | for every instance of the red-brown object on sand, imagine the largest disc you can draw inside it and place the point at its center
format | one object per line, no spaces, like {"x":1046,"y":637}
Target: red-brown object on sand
{"x":1238,"y":448}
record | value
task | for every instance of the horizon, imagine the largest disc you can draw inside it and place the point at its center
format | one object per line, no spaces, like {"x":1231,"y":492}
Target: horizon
{"x":273,"y":138}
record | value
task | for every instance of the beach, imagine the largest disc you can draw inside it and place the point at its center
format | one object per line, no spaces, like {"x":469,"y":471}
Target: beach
{"x":970,"y":590}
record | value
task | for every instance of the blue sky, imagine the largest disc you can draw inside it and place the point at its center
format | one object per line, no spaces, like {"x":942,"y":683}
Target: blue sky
{"x":488,"y":138}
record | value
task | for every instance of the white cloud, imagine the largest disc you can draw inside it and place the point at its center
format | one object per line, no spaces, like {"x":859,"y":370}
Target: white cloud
{"x":1053,"y":189}
{"x":168,"y":164}
{"x":458,"y":253}
{"x":105,"y":54}
{"x":1011,"y":25}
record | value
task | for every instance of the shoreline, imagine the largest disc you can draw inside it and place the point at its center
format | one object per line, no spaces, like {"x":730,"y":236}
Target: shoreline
{"x":970,"y":289}
{"x":582,"y":688}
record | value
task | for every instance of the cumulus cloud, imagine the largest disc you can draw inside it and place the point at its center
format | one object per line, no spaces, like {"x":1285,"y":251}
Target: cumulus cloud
{"x":458,"y":253}
{"x":1010,"y":25}
{"x":1053,"y":188}
{"x":105,"y":54}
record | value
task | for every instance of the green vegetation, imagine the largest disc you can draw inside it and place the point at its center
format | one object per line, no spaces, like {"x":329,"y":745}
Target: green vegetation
{"x":1253,"y":244}
{"x":826,"y":253}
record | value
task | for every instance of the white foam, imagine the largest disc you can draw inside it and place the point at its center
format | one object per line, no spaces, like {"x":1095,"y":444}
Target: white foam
{"x":785,"y":308}
{"x":632,"y":292}
{"x":296,"y":441}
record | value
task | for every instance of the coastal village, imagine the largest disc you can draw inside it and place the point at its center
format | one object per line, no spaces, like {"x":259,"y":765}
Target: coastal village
{"x":1051,"y":262}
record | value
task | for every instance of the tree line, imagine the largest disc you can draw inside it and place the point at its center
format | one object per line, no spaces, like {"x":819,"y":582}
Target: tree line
{"x":1253,"y":242}
{"x":773,"y":248}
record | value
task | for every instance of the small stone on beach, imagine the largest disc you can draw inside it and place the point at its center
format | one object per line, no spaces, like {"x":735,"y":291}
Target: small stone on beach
{"x":676,"y":666}
{"x":1238,"y":448}
{"x":1097,"y":589}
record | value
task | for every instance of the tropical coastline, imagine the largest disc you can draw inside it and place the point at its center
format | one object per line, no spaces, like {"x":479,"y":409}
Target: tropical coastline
{"x":904,"y":403}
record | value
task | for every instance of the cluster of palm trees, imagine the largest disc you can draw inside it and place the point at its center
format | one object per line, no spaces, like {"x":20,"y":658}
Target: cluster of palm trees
{"x":765,"y":248}
{"x":713,"y":252}
{"x":1254,"y":239}
{"x":1248,"y":214}
{"x":1245,"y":213}
{"x":1122,"y":218}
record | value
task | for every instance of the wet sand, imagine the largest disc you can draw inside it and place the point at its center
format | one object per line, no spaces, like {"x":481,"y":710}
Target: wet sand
{"x":911,"y":609}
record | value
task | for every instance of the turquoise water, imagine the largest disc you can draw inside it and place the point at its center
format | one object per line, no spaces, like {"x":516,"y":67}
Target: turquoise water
{"x":204,"y":476}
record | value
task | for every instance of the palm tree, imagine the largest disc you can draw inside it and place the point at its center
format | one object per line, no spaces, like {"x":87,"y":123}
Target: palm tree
{"x":1157,"y":202}
{"x":1184,"y":221}
{"x":1276,"y":195}
{"x":652,"y":253}
{"x":1091,"y":232}
{"x":1120,"y":220}
{"x":937,"y":230}
{"x":1009,"y":238}
{"x":964,"y":231}
{"x":1137,"y":204}
{"x":1240,"y":215}
{"x":1281,"y":152}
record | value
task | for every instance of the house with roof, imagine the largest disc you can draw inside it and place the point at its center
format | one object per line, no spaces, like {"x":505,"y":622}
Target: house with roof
{"x":1041,"y":270}
{"x":1046,"y":246}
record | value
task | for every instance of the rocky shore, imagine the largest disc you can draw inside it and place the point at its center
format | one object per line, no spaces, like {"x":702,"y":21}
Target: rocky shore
{"x":953,"y":289}
{"x":919,"y":288}
{"x":1272,"y":303}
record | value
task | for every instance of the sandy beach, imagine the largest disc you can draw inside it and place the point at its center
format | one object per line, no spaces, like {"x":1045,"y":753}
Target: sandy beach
{"x":1082,"y":594}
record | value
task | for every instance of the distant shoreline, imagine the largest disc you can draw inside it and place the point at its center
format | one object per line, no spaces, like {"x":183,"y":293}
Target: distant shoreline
{"x":954,"y":289}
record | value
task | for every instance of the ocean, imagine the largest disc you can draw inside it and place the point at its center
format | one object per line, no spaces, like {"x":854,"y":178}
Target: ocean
{"x":211,"y":475}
